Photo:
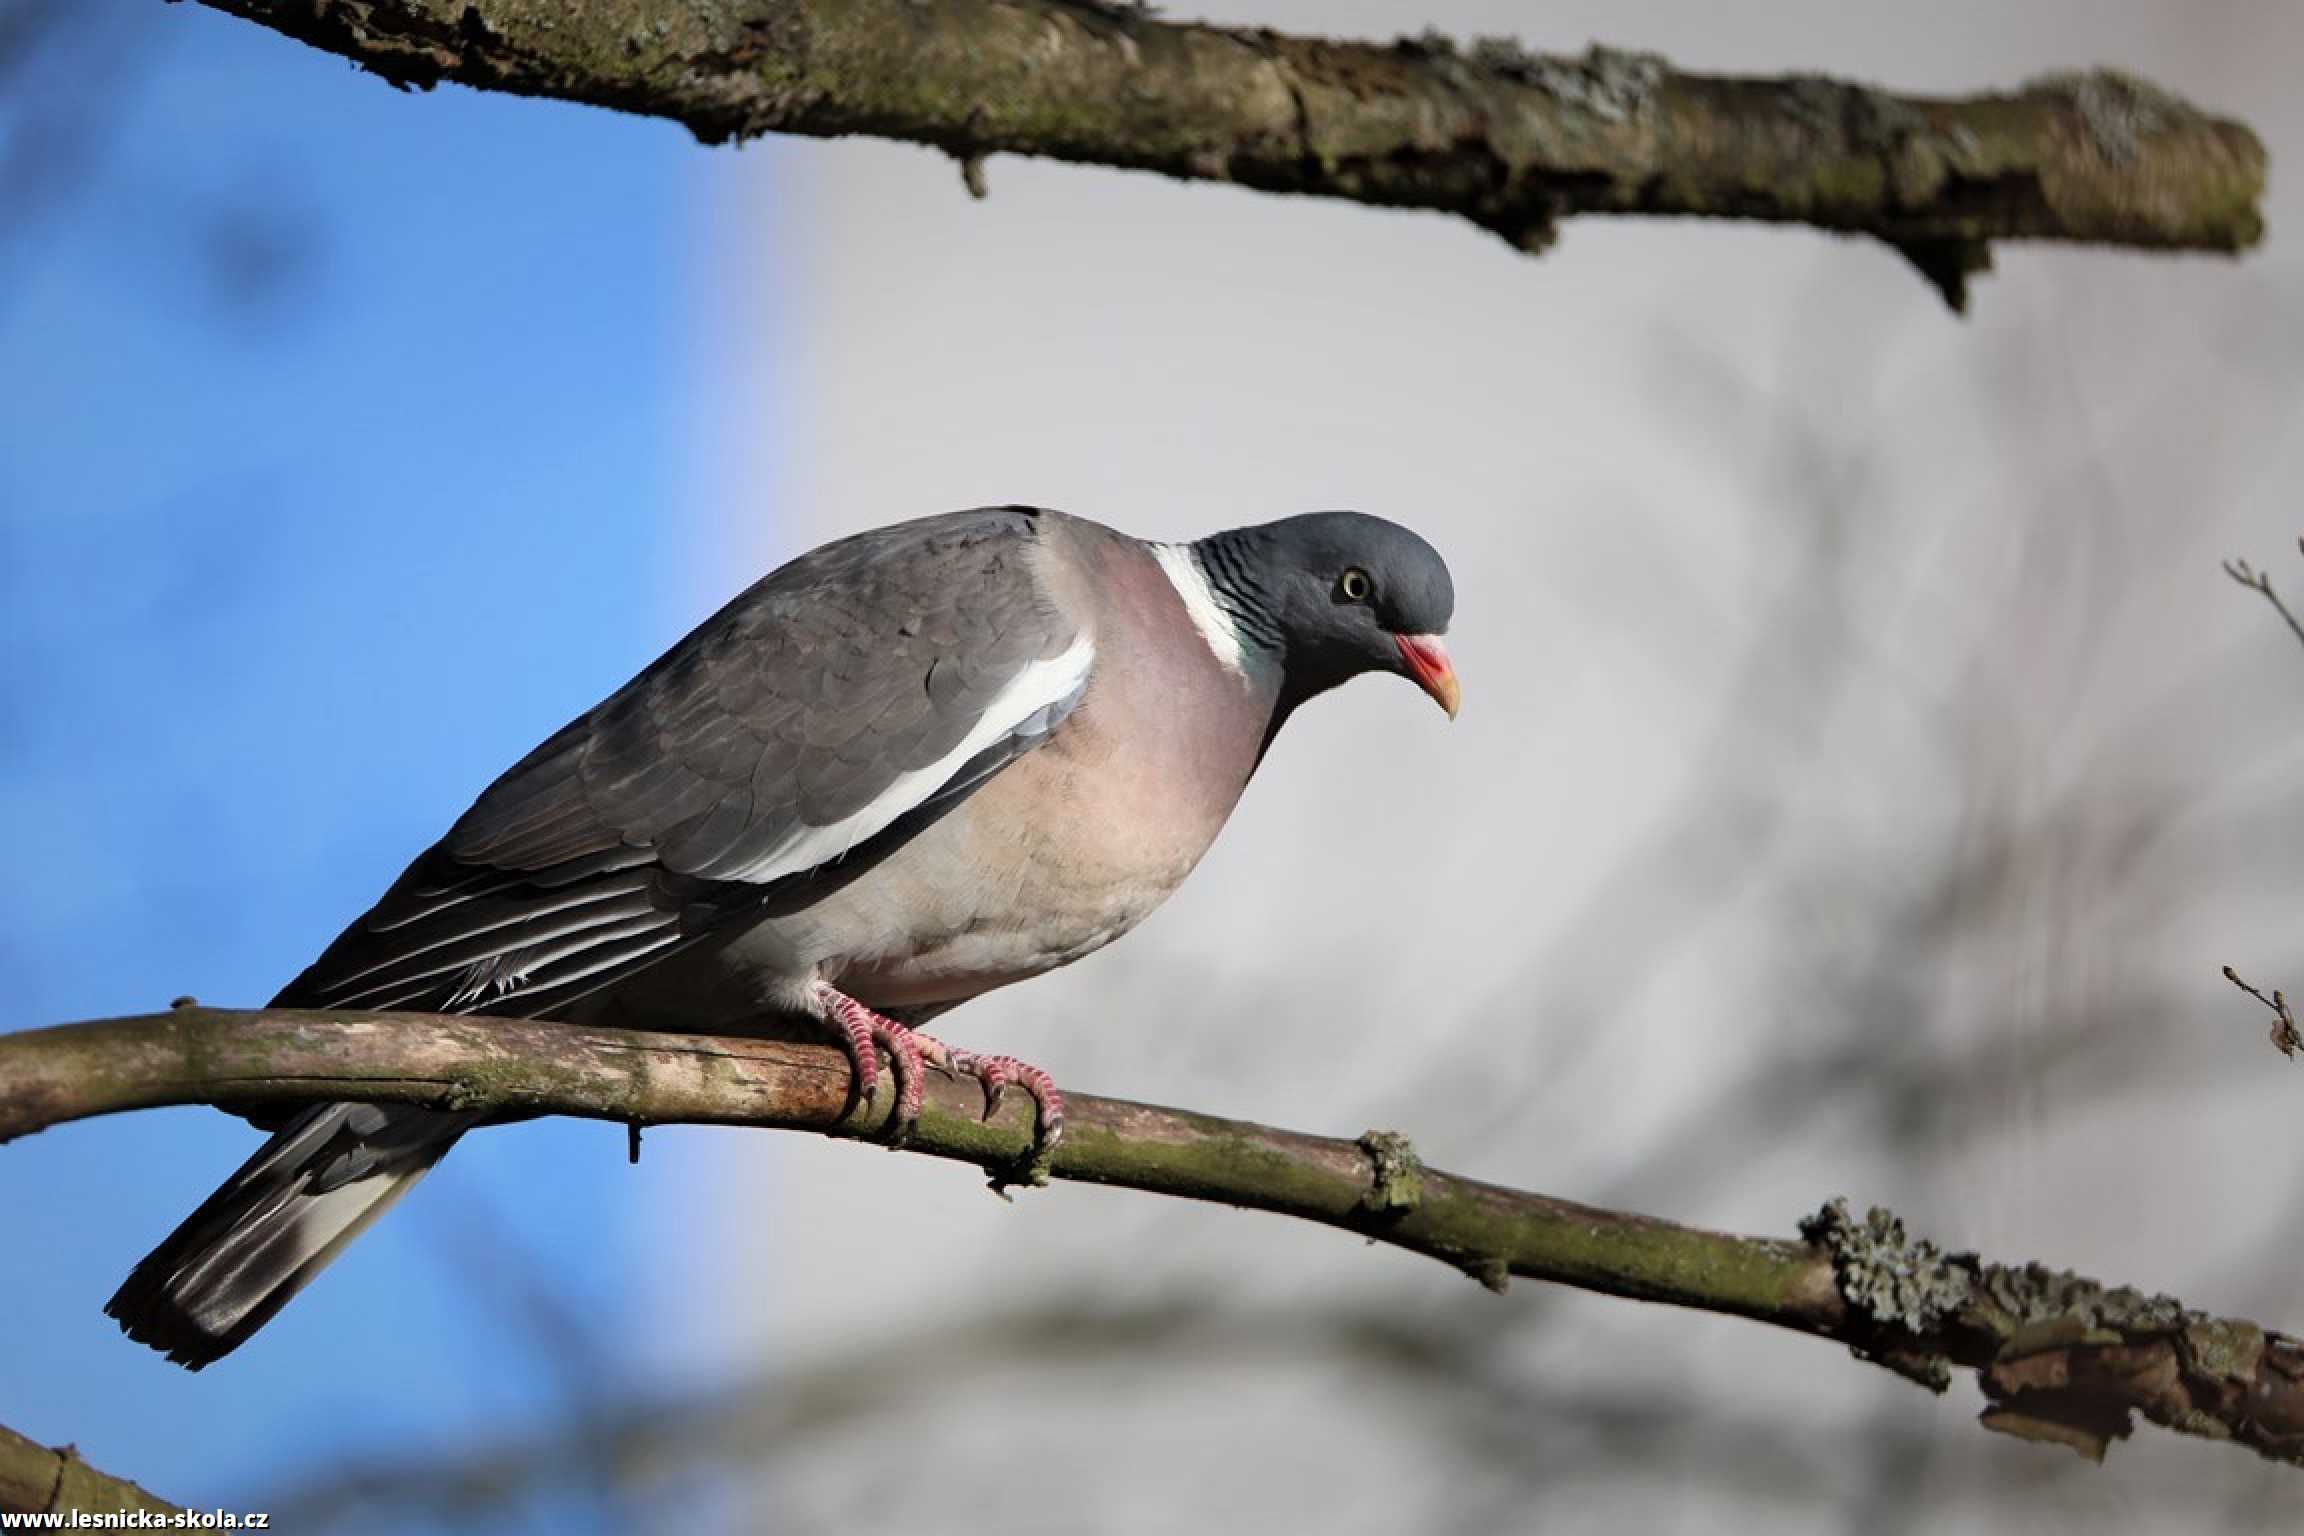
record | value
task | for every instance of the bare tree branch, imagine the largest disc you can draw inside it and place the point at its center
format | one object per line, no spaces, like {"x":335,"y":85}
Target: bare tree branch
{"x":1508,"y":139}
{"x":2261,"y":581}
{"x":2285,"y":1036}
{"x":2062,"y":1358}
{"x":38,"y":1479}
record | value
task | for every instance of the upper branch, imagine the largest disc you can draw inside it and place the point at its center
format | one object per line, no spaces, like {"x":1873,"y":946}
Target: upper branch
{"x":2062,"y":1358}
{"x":1509,"y":139}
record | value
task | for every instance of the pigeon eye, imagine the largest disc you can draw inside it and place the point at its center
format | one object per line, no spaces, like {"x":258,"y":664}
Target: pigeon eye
{"x":1355,"y":585}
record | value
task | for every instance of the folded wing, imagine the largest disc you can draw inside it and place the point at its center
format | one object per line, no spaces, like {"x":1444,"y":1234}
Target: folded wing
{"x":819,"y":720}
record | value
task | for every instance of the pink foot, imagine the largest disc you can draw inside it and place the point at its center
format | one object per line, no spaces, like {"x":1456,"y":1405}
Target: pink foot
{"x":996,"y":1073}
{"x":865,"y":1034}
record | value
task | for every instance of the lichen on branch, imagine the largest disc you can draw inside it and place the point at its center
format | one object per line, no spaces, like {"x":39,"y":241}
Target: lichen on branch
{"x":2060,"y":1357}
{"x":1511,"y":140}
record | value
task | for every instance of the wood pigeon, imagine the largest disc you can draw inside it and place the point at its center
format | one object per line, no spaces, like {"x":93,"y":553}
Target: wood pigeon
{"x":904,"y":769}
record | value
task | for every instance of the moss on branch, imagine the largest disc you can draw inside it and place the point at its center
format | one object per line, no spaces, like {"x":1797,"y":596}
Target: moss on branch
{"x":2060,"y":1357}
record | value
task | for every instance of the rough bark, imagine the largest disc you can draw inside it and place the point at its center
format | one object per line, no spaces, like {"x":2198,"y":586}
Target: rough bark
{"x":39,"y":1479}
{"x":1509,"y":139}
{"x":2061,"y":1358}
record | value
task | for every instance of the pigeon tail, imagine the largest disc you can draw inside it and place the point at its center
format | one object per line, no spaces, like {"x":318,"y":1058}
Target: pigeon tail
{"x":276,"y":1223}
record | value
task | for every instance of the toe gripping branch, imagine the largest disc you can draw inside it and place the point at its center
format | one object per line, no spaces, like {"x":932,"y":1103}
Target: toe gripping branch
{"x":865,"y":1033}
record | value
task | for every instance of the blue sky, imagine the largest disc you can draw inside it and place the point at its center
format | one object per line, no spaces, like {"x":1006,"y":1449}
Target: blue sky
{"x":339,"y":463}
{"x":349,"y":443}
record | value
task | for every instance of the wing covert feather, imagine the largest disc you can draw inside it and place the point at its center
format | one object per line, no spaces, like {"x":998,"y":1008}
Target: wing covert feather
{"x":827,"y":704}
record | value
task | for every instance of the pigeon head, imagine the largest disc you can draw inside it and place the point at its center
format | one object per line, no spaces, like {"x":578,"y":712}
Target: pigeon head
{"x":1323,"y":597}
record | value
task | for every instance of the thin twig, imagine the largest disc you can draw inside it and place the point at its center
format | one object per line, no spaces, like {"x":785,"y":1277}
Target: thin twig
{"x":2261,"y":581}
{"x":2284,"y":1031}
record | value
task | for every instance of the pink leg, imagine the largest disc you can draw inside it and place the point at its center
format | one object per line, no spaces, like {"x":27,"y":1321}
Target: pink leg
{"x":865,"y":1034}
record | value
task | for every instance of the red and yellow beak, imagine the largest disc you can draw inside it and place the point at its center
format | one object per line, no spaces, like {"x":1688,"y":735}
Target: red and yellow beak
{"x":1427,"y":662}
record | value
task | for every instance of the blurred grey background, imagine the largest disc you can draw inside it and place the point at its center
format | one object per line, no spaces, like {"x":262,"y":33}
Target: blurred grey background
{"x":1865,"y":771}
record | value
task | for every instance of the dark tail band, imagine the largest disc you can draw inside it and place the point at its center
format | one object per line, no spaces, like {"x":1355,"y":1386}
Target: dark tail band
{"x":276,"y":1223}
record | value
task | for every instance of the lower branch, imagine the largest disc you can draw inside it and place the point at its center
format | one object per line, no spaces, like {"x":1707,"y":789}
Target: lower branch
{"x":2060,"y":1357}
{"x":1508,"y":139}
{"x":37,"y":1480}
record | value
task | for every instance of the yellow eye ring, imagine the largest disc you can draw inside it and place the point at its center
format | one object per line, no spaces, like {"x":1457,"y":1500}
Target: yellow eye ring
{"x":1355,"y":585}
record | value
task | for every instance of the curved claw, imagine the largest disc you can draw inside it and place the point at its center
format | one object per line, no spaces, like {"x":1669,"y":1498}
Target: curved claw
{"x":910,"y":1053}
{"x":997,"y":1072}
{"x":865,"y":1034}
{"x":995,"y":1075}
{"x":911,"y":1074}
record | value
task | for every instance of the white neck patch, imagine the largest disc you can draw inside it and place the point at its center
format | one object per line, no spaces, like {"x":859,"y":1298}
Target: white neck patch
{"x":1182,"y":568}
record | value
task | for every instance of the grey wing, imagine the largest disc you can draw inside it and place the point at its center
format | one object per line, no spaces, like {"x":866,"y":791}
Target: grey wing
{"x":829,"y":713}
